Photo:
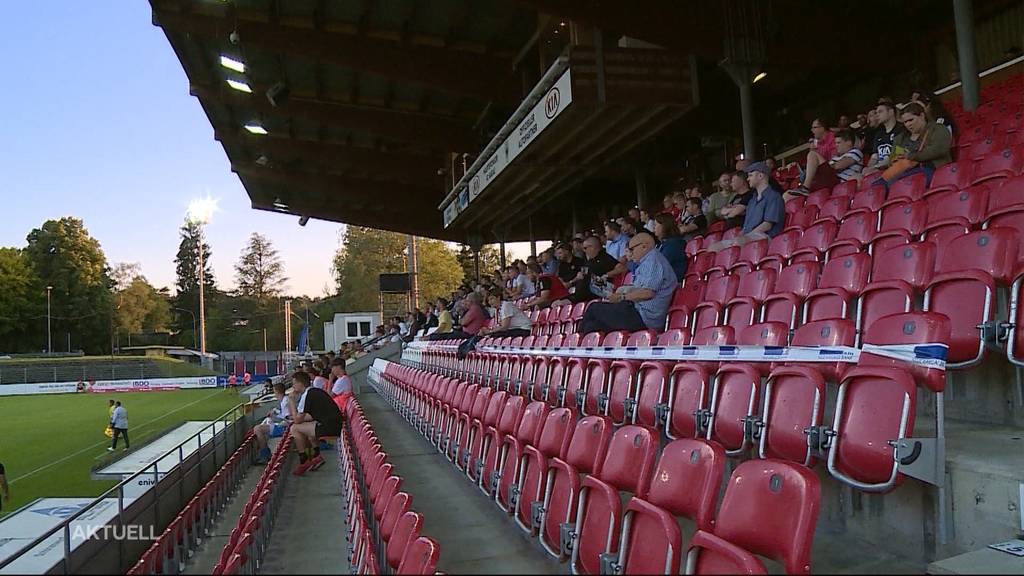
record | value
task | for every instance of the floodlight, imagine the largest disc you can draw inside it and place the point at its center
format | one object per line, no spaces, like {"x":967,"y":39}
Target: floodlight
{"x":200,"y":210}
{"x":256,"y":128}
{"x":232,"y":64}
{"x":759,"y":77}
{"x":240,"y":86}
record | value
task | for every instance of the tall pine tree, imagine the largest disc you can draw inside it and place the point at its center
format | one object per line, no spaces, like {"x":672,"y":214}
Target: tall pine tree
{"x":259,"y":272}
{"x":187,"y":285}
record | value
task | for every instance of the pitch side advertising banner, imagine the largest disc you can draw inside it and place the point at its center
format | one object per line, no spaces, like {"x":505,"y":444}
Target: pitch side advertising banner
{"x":141,"y":385}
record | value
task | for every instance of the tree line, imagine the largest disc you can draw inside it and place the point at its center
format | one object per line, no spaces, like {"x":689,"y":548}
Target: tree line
{"x":98,"y":307}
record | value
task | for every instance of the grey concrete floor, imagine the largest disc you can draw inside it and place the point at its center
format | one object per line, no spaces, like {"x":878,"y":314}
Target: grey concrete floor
{"x":476,"y":537}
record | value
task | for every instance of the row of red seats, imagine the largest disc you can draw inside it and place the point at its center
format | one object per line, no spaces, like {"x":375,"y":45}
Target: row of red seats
{"x":682,"y":399}
{"x":168,"y":554}
{"x":243,"y":552}
{"x":384,"y":534}
{"x":958,"y":275}
{"x":564,"y":480}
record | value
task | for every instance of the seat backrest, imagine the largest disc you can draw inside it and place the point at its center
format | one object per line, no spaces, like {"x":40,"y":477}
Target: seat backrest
{"x":910,"y":187}
{"x":629,"y":461}
{"x":834,"y":207}
{"x":714,"y":336}
{"x":794,"y":401}
{"x":753,"y":251}
{"x":688,"y":392}
{"x":722,"y":289}
{"x":531,"y":422}
{"x":911,"y":328}
{"x":420,"y":557}
{"x":674,"y":337}
{"x":687,"y":479}
{"x":406,"y":531}
{"x":847,"y":272}
{"x":798,"y":278}
{"x":993,"y":251}
{"x":848,"y":188}
{"x":396,"y":508}
{"x":568,"y":340}
{"x":859,"y":226}
{"x":1006,"y":193}
{"x":495,"y":406}
{"x":970,"y":204}
{"x":825,"y":333}
{"x":818,"y":236}
{"x":615,"y":339}
{"x":764,"y":334}
{"x":757,"y":284}
{"x":910,"y":216}
{"x":651,"y":379}
{"x":642,"y":338}
{"x":998,"y":164}
{"x":678,"y":317}
{"x":772,"y":493}
{"x":511,"y":414}
{"x":735,"y":395}
{"x":589,"y":444}
{"x":689,"y":294}
{"x":871,"y":198}
{"x":555,"y":340}
{"x":725,"y":258}
{"x":784,"y":244}
{"x":914,"y":262}
{"x":590,"y":340}
{"x":556,"y":434}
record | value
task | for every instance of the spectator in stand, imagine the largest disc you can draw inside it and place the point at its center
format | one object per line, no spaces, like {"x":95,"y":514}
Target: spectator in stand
{"x":634,"y":215}
{"x":843,"y":123}
{"x":734,"y":211}
{"x":522,"y":287}
{"x":927,"y":144}
{"x":444,"y":316}
{"x":319,"y":376}
{"x":671,"y":243}
{"x":414,"y":328}
{"x":718,"y":200}
{"x":679,"y":200}
{"x":742,"y":162}
{"x":5,"y":490}
{"x":645,"y":303}
{"x":315,"y":416}
{"x":765,"y":213}
{"x":823,"y":147}
{"x":629,"y":227}
{"x":273,"y":425}
{"x":590,"y":280}
{"x":510,"y":321}
{"x":577,"y":246}
{"x":569,"y":265}
{"x":616,"y":244}
{"x":549,"y":288}
{"x":431,"y":316}
{"x":342,"y":384}
{"x":846,"y":164}
{"x":646,"y":219}
{"x":693,"y":223}
{"x":548,"y":263}
{"x":886,"y":131}
{"x":668,"y":205}
{"x":936,"y":110}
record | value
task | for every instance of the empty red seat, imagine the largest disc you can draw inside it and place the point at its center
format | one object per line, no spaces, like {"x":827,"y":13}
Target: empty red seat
{"x":590,"y":399}
{"x":719,"y":291}
{"x":571,"y":393}
{"x":512,"y":453}
{"x":919,"y":329}
{"x":897,"y":276}
{"x":649,"y":397}
{"x":489,"y":462}
{"x":714,"y":336}
{"x":618,"y":390}
{"x":904,"y":215}
{"x":870,"y":199}
{"x":555,"y":435}
{"x":724,"y":259}
{"x":964,"y":288}
{"x":794,"y":283}
{"x":841,"y":281}
{"x":689,"y":294}
{"x":834,"y":208}
{"x":761,"y":493}
{"x":735,"y":397}
{"x":823,"y":334}
{"x":615,"y":339}
{"x":750,"y":254}
{"x":678,"y":317}
{"x":802,"y":218}
{"x":753,"y":288}
{"x":847,"y":189}
{"x":686,"y":408}
{"x":971,"y":204}
{"x":769,"y":334}
{"x":794,"y":401}
{"x":685,"y":483}
{"x":855,"y":232}
{"x":952,"y":176}
{"x":407,"y":530}
{"x":673,"y":337}
{"x":627,"y":468}
{"x":420,"y":557}
{"x":1008,"y":193}
{"x":585,"y":455}
{"x":780,"y":248}
{"x":815,"y":240}
{"x":910,"y":188}
{"x":998,"y":165}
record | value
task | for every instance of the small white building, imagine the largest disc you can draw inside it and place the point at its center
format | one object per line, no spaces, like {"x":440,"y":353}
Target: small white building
{"x":349,"y":326}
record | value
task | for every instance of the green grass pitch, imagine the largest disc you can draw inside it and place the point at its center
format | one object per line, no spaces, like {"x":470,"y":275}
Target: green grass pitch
{"x":49,"y":444}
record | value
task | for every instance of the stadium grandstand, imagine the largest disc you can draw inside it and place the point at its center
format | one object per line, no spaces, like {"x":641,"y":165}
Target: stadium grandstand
{"x":779,"y":327}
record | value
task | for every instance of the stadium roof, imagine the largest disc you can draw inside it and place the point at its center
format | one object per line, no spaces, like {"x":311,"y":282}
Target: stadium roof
{"x":386,"y":104}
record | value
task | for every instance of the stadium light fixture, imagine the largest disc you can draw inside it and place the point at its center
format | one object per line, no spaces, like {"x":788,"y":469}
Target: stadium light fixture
{"x":239,"y":85}
{"x":201,"y":210}
{"x":256,"y":128}
{"x":279,"y":205}
{"x":760,"y":76}
{"x":232,"y":64}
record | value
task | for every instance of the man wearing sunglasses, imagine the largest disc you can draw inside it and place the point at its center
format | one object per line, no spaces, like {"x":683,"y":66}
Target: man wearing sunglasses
{"x":644,"y":304}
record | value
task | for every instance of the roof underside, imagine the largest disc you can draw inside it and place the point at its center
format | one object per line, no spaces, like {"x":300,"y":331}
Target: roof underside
{"x":383,"y":96}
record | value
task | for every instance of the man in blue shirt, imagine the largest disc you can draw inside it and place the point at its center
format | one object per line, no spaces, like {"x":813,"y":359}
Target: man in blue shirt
{"x":617,"y":241}
{"x":645,"y":304}
{"x":119,"y":422}
{"x":765,"y":216}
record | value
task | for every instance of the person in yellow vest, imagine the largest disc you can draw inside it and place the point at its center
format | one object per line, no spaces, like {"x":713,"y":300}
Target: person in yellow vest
{"x":109,"y":432}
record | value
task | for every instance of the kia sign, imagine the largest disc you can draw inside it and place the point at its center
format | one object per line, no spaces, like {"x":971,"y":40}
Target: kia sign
{"x":551,"y":103}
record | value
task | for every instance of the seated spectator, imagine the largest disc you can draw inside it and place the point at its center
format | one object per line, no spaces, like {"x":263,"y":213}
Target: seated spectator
{"x":569,"y":265}
{"x":765,"y":214}
{"x":692,"y":224}
{"x":577,"y":246}
{"x":936,"y":110}
{"x":823,"y":147}
{"x":470,"y":322}
{"x":734,"y":211}
{"x":646,"y":219}
{"x":742,"y":162}
{"x":668,"y":205}
{"x":719,"y":199}
{"x":634,"y":215}
{"x":886,"y":131}
{"x":548,"y":263}
{"x":273,"y":425}
{"x":926,"y":145}
{"x":671,"y":243}
{"x":616,"y":244}
{"x":679,"y":201}
{"x":868,"y":123}
{"x":629,"y":227}
{"x":592,"y":279}
{"x":846,"y":164}
{"x":510,"y":321}
{"x":315,"y":415}
{"x":431,"y":316}
{"x":642,"y":305}
{"x":549,"y":288}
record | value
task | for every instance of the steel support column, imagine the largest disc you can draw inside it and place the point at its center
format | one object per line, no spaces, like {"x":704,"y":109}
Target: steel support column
{"x":963,"y":16}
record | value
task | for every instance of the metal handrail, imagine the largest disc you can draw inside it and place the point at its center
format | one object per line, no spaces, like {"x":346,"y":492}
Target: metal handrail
{"x":65,"y":525}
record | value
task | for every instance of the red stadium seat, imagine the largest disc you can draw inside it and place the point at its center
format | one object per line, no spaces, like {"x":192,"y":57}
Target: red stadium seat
{"x":910,"y":188}
{"x":952,"y":176}
{"x":618,"y":392}
{"x":512,"y":453}
{"x":615,"y":339}
{"x":845,"y":189}
{"x":898,"y":275}
{"x":750,"y":254}
{"x":674,"y":337}
{"x":1008,"y":193}
{"x":855,"y":232}
{"x":643,"y":407}
{"x":815,"y":241}
{"x":826,"y":333}
{"x":970,"y":204}
{"x":841,"y":281}
{"x":686,"y":408}
{"x":794,"y":401}
{"x":420,"y":557}
{"x":585,"y":455}
{"x":780,"y":249}
{"x":835,"y":208}
{"x":589,"y":399}
{"x":734,"y":398}
{"x":627,"y":468}
{"x":553,"y":442}
{"x":793,"y":285}
{"x":678,"y":317}
{"x":714,"y":336}
{"x":490,"y":458}
{"x":998,"y":165}
{"x":911,"y":328}
{"x":764,"y":334}
{"x":904,"y":215}
{"x":761,"y":493}
{"x":870,"y":199}
{"x":754,"y":287}
{"x":685,"y":483}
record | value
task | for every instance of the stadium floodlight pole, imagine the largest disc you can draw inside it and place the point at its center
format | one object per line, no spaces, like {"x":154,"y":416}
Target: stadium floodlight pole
{"x":49,"y":338}
{"x":200,"y":211}
{"x":195,"y":334}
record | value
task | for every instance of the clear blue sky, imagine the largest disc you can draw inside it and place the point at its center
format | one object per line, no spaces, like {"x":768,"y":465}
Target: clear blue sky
{"x":98,"y":124}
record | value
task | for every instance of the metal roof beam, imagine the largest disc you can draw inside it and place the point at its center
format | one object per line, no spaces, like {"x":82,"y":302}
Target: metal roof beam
{"x":453,"y":71}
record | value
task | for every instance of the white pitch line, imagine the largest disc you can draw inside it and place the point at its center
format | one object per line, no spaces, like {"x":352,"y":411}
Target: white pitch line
{"x":98,"y":444}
